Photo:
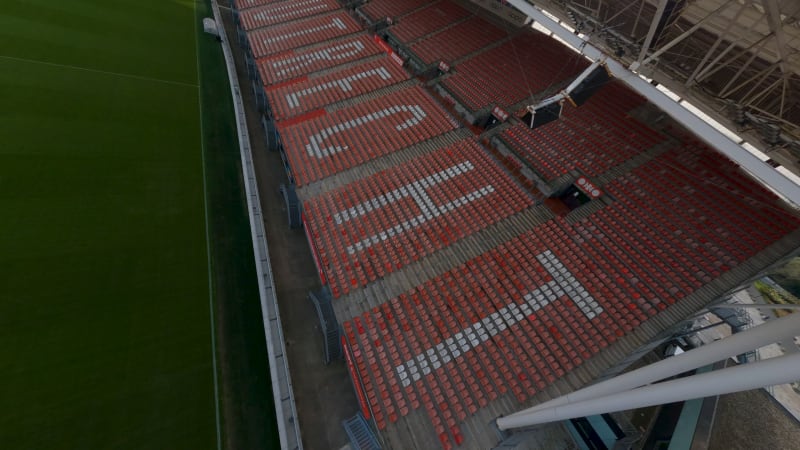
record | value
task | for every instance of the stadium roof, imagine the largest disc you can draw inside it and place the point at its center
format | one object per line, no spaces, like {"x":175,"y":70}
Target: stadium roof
{"x":732,"y":59}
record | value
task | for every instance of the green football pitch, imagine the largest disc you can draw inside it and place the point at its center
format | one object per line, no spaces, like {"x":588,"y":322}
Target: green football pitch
{"x":107,"y":290}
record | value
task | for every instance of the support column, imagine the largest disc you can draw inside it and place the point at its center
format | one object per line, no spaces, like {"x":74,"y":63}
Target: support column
{"x":773,"y":371}
{"x":773,"y":331}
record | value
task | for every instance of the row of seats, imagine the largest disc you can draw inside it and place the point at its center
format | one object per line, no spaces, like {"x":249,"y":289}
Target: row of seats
{"x":276,"y":13}
{"x":525,"y":65}
{"x":458,"y":41}
{"x":668,"y":233}
{"x":748,"y":207}
{"x":680,"y":232}
{"x":424,"y":349}
{"x":513,"y":320}
{"x":281,"y":38}
{"x":623,"y":287}
{"x":698,"y":158}
{"x":316,"y":92}
{"x":744,"y":221}
{"x":380,"y":224}
{"x":333,"y":53}
{"x":684,"y":226}
{"x":332,"y":143}
{"x":381,"y":9}
{"x":592,"y":138}
{"x":599,"y":237}
{"x":245,"y":4}
{"x":428,"y":20}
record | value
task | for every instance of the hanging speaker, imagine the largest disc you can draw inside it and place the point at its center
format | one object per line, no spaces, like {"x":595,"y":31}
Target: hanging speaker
{"x":596,"y":79}
{"x":543,"y":114}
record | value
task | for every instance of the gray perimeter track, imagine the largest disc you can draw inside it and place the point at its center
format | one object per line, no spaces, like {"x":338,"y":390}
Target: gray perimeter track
{"x":285,"y":411}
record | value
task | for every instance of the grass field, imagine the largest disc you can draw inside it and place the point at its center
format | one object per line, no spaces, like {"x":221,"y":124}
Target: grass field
{"x":105,"y":292}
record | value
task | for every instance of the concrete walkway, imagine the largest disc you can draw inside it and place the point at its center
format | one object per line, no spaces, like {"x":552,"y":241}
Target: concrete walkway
{"x":323,"y":394}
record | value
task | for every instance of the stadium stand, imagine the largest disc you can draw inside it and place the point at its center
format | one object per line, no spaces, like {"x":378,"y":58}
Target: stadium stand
{"x":703,"y":242}
{"x":490,"y":311}
{"x":273,"y":14}
{"x":334,"y":142}
{"x":457,"y":41}
{"x":528,"y":63}
{"x":427,"y":21}
{"x":462,"y":291}
{"x":331,"y":53}
{"x":381,"y":9}
{"x":314,"y":92}
{"x":382,"y":223}
{"x":281,"y":38}
{"x":486,"y":328}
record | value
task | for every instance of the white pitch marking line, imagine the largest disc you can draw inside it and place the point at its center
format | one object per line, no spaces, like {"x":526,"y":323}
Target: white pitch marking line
{"x":212,"y":318}
{"x":104,"y":72}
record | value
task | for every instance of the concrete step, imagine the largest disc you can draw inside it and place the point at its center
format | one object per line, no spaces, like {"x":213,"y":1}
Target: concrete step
{"x":443,"y":260}
{"x":379,"y":164}
{"x":333,"y":107}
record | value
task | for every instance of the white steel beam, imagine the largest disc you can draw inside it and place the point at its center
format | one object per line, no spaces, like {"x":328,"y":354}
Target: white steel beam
{"x":755,"y":306}
{"x":608,"y":20}
{"x":763,"y":91}
{"x":662,"y":5}
{"x":783,"y":94}
{"x":744,"y":67}
{"x":763,"y":172}
{"x":768,"y":372}
{"x":756,"y":337}
{"x":678,"y":39}
{"x":715,"y":65}
{"x":773,"y":12}
{"x":722,"y":35}
{"x":638,"y":17}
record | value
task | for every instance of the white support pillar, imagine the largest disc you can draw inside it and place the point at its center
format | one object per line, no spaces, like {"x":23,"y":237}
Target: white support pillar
{"x":773,"y":331}
{"x":662,"y":5}
{"x":773,"y":12}
{"x":767,"y":174}
{"x":722,"y":35}
{"x":678,"y":39}
{"x":753,"y":305}
{"x":769,"y":372}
